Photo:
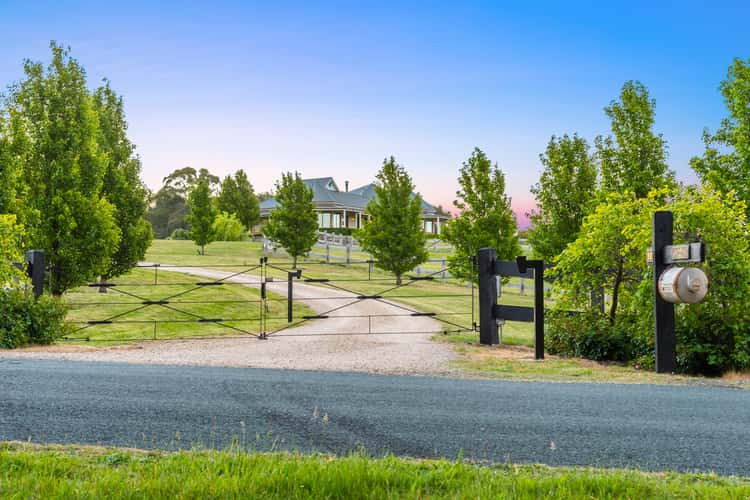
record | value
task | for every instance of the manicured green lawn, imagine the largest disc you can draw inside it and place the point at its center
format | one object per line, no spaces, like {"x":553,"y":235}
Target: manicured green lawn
{"x":31,"y":471}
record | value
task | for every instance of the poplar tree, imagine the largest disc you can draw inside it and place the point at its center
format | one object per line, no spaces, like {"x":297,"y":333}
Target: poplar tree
{"x":202,"y":215}
{"x":238,"y":197}
{"x":725,"y":164}
{"x":122,"y":185}
{"x":633,"y":158}
{"x":293,"y":223}
{"x":564,"y":195}
{"x":485,"y":218}
{"x":10,"y":170}
{"x":55,"y":141}
{"x":394,"y":235}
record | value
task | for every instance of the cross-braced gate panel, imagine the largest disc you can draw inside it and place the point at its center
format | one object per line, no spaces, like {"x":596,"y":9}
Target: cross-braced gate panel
{"x":161,"y":302}
{"x":357,"y":298}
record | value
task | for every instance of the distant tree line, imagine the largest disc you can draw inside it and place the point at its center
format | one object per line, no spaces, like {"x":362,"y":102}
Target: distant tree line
{"x":195,"y":204}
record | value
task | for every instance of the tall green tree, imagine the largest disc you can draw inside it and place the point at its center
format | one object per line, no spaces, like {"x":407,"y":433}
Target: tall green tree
{"x":122,"y":185}
{"x":10,"y":168}
{"x":293,"y":223}
{"x":11,"y":234}
{"x":63,"y":169}
{"x":564,"y":195}
{"x":725,"y":163}
{"x":485,"y":219}
{"x":202,"y":215}
{"x":394,"y":235}
{"x":634,"y":157}
{"x":238,"y":197}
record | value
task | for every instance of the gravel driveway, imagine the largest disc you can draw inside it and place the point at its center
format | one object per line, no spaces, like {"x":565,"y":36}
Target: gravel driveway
{"x":325,"y":344}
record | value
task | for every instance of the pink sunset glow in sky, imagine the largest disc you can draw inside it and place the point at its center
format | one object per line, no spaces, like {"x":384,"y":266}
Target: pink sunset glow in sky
{"x":330,"y":89}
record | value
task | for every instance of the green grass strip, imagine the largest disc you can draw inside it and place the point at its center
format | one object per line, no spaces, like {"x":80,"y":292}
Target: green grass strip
{"x":33,"y":471}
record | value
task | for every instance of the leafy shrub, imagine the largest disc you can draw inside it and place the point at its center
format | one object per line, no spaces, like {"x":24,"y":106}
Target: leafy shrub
{"x":587,"y":335}
{"x":227,"y":227}
{"x":712,"y":337}
{"x":180,"y":234}
{"x":24,"y":320}
{"x":11,"y":235}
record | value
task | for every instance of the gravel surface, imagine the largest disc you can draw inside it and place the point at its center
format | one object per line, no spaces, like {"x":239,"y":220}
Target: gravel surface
{"x":325,"y":344}
{"x":152,"y":406}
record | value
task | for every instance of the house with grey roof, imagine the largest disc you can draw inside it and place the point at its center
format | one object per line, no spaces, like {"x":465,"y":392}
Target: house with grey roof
{"x":346,"y":209}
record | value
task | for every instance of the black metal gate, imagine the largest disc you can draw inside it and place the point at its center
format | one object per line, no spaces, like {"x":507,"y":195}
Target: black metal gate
{"x":357,"y":286}
{"x":271,"y":299}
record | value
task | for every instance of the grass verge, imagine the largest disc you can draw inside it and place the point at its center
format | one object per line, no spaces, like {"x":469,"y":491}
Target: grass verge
{"x":35,"y":471}
{"x":516,"y":362}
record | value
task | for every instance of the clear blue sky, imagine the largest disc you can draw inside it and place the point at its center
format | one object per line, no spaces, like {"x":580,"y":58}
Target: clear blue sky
{"x":332,"y":88}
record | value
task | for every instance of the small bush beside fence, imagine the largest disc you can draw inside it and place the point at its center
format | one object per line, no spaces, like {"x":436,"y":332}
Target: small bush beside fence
{"x":25,"y":320}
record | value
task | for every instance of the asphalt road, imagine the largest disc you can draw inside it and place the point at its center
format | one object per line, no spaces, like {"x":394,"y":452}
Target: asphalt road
{"x":149,"y":406}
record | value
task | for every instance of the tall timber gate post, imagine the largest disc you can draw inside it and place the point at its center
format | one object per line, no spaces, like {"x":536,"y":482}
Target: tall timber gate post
{"x":673,"y":284}
{"x":491,"y":314}
{"x":488,"y":333}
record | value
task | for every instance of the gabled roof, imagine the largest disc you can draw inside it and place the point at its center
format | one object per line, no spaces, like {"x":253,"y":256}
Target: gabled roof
{"x":327,"y":194}
{"x":368,"y":191}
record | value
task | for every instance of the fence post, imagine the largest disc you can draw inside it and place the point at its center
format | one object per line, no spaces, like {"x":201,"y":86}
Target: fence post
{"x":443,"y":272}
{"x":664,"y":337}
{"x":523,"y":287}
{"x":348,"y":254}
{"x":35,"y":270}
{"x":289,"y":295}
{"x":488,"y":333}
{"x":328,"y":253}
{"x":538,"y":309}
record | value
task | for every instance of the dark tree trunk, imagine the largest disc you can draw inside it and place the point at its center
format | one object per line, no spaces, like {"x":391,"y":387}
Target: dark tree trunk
{"x":294,"y":262}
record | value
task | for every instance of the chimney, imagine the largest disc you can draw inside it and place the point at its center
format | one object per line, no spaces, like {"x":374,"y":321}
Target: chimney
{"x":346,"y":186}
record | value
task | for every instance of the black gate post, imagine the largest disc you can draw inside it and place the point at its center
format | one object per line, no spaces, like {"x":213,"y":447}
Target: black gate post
{"x":664,"y":337}
{"x":488,"y":333}
{"x":35,"y":271}
{"x":289,"y":297}
{"x":538,"y":308}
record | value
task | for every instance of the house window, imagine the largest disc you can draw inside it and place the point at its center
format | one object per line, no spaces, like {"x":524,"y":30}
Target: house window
{"x":428,"y":226}
{"x":328,"y":220}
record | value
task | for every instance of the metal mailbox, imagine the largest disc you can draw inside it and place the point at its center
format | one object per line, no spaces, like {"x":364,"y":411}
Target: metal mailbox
{"x":683,"y":285}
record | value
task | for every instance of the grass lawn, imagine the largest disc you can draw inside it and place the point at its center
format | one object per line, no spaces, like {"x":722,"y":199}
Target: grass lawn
{"x":32,"y":471}
{"x":237,"y":305}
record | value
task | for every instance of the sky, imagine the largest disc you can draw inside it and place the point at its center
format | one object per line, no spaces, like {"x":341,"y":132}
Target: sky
{"x":332,"y":88}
